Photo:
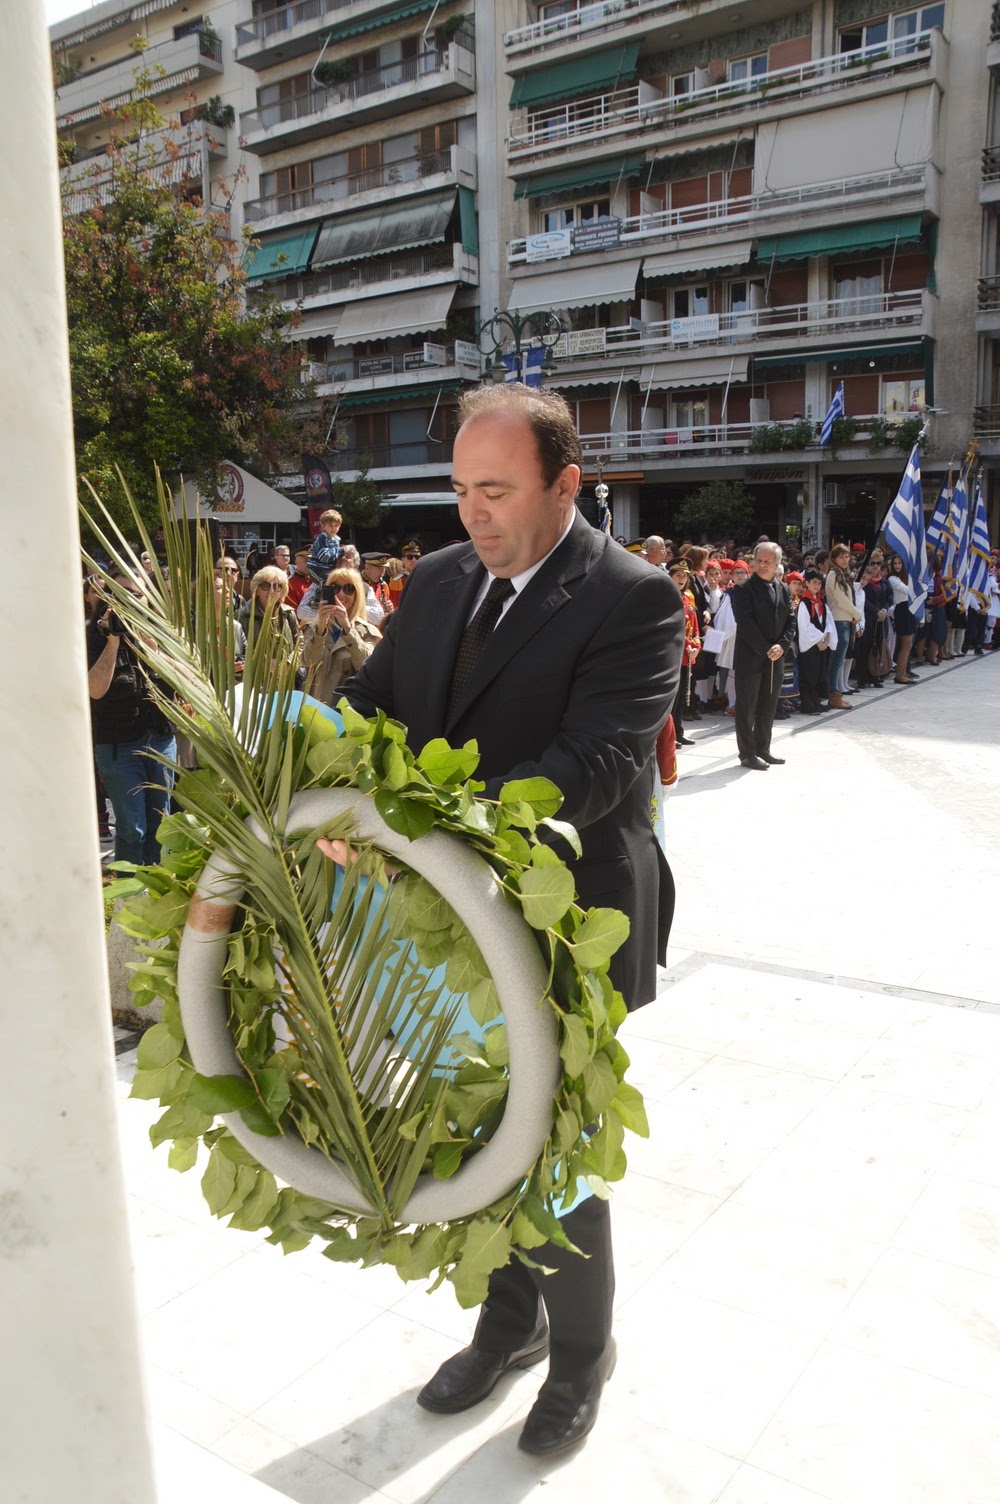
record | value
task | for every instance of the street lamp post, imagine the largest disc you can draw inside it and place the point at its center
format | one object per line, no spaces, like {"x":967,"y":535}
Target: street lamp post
{"x":525,"y":331}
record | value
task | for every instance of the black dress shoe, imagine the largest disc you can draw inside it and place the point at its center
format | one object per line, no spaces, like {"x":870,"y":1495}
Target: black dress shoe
{"x":772,"y":761}
{"x":565,"y":1411}
{"x":754,"y":762}
{"x":686,"y":741}
{"x":472,"y":1374}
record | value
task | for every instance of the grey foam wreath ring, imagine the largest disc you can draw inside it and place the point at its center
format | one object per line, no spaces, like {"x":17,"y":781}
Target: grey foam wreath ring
{"x":509,"y":948}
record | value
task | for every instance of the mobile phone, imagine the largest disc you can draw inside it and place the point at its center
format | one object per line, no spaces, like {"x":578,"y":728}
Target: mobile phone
{"x":327,"y":595}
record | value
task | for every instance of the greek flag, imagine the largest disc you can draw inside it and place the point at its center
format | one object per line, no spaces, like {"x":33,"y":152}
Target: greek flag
{"x":938,"y":523}
{"x":979,"y":555}
{"x":512,"y":370}
{"x":533,"y":358}
{"x":904,"y":532}
{"x":956,"y":561}
{"x":836,"y":411}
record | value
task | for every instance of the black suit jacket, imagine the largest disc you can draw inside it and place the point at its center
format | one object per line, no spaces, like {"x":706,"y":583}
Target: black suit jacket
{"x":760,"y":623}
{"x":574,"y":685}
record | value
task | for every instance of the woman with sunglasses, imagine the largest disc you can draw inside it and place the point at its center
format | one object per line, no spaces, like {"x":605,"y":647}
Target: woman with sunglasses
{"x":341,"y":638}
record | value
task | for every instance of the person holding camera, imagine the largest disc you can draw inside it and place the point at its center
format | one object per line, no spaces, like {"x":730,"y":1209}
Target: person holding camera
{"x":341,"y":638}
{"x":131,"y":734}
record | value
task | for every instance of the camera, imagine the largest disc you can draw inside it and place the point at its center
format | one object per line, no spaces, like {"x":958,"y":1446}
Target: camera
{"x":327,"y":596}
{"x":115,"y":626}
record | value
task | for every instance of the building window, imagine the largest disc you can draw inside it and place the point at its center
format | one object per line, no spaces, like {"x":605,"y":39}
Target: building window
{"x":568,"y":215}
{"x":744,"y":295}
{"x":898,"y":26}
{"x":689,"y":411}
{"x":901,"y":398}
{"x":188,"y":28}
{"x":856,"y":295}
{"x":742,"y":69}
{"x":690,"y":302}
{"x":680,"y":84}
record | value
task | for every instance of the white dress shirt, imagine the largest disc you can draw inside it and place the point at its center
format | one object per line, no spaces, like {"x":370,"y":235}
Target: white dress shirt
{"x":517,"y":580}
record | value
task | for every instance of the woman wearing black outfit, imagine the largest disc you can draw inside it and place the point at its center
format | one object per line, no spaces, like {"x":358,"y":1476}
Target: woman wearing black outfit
{"x":878,"y":603}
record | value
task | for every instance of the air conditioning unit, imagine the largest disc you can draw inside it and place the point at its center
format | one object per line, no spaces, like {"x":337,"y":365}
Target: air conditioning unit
{"x":760,"y":410}
{"x":833,"y":495}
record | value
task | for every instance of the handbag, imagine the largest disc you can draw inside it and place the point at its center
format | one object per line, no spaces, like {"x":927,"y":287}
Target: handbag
{"x":879,"y":659}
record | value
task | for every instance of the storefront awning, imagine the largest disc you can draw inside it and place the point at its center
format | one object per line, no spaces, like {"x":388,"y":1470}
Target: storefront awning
{"x":318,"y":323}
{"x":713,"y":370}
{"x":415,"y":312}
{"x":571,"y":383}
{"x":911,"y":350}
{"x":281,"y":255}
{"x":707,"y":258}
{"x":381,"y":18}
{"x":240,"y":497}
{"x":394,"y":228}
{"x":398,"y":394}
{"x":835,"y":240}
{"x":576,"y":287}
{"x":594,"y":175}
{"x":584,"y":75}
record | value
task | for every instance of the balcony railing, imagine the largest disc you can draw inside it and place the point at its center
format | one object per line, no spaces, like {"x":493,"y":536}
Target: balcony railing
{"x":394,"y":456}
{"x":986,"y":421}
{"x":377,"y":367}
{"x":605,"y":15}
{"x":754,"y":209}
{"x":991,"y":164}
{"x":988,"y":295}
{"x":168,"y":64}
{"x":995,"y":22}
{"x":638,"y":108}
{"x":364,"y":274}
{"x":663,"y":444}
{"x":316,"y":101}
{"x":787,"y":324}
{"x":284,"y":17}
{"x":408,"y":170}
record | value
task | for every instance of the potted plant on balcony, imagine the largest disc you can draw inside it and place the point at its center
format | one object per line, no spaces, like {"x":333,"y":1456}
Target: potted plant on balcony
{"x":906,"y":433}
{"x":878,"y":436}
{"x":843,"y":431}
{"x":450,"y":28}
{"x":216,"y":113}
{"x":333,"y":72}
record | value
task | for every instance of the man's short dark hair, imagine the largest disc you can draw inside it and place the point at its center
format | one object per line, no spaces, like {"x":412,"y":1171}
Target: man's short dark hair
{"x":548,"y":415}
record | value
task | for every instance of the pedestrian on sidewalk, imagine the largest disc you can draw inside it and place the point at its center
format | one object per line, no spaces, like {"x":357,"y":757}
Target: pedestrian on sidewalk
{"x":816,"y":635}
{"x":764,"y":629}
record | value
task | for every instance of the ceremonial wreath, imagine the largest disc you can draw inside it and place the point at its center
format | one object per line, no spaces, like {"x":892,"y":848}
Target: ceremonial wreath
{"x":410,"y":1057}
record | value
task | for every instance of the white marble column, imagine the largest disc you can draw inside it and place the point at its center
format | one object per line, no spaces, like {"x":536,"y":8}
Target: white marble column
{"x":72,"y":1414}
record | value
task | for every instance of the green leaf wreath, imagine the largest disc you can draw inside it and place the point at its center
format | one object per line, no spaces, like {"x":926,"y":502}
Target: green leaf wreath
{"x":309,"y":1028}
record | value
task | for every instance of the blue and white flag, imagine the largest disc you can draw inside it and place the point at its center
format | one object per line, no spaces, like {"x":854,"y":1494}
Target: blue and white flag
{"x":938,"y":523}
{"x":512,"y":370}
{"x":533,"y":359}
{"x":904,"y":532}
{"x":836,"y":411}
{"x":956,"y":559}
{"x":979,"y":555}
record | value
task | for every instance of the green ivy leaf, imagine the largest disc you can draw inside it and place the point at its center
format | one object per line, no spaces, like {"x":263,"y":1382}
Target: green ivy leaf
{"x":487,"y":1247}
{"x":447,"y":765}
{"x":156,"y":1085}
{"x":628,"y":1104}
{"x":259,"y":1120}
{"x":275,"y":1089}
{"x":332,"y":759}
{"x":567,"y":831}
{"x":599,"y":936}
{"x":524,"y":1233}
{"x":183,"y":1154}
{"x":546,"y":894}
{"x":218,"y":1181}
{"x":407,"y":817}
{"x":394,"y":769}
{"x":157,"y":1047}
{"x":484,"y":1001}
{"x":217,"y":1094}
{"x":575,"y":1045}
{"x":255,"y":1211}
{"x":543,"y":796}
{"x":599,"y":1086}
{"x":604,"y":1151}
{"x":180,"y":1121}
{"x":497,"y":1048}
{"x":446,"y":1160}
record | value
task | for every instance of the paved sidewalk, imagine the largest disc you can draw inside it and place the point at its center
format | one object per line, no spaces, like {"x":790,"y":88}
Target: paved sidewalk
{"x":808,"y":1247}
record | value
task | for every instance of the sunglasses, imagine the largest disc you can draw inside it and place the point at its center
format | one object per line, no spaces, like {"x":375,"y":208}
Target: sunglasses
{"x":341,"y":589}
{"x":267,"y":585}
{"x":412,"y":556}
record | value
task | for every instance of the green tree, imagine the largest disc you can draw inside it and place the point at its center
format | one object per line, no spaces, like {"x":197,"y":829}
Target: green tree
{"x":358,"y":501}
{"x":720,"y":509}
{"x":168,"y":367}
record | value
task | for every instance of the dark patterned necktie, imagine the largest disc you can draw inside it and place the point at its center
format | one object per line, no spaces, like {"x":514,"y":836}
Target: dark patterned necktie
{"x":476,"y":635}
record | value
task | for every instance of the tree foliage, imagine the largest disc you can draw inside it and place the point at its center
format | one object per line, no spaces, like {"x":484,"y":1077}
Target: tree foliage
{"x":720,"y":509}
{"x":359,"y":501}
{"x":168,"y":368}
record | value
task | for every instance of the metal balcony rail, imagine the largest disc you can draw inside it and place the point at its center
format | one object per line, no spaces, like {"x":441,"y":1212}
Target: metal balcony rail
{"x":419,"y":452}
{"x":605,"y":15}
{"x":284,"y":17}
{"x":719,"y":438}
{"x":623,"y":110}
{"x":710,"y":218}
{"x":362,"y":274}
{"x":991,"y":164}
{"x":365,"y":367}
{"x":315,"y":101}
{"x":988,"y":295}
{"x":995,"y":22}
{"x":986,"y":421}
{"x":787,"y":323}
{"x":408,"y":170}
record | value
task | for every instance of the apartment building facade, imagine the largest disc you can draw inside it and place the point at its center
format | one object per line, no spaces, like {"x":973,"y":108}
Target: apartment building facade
{"x":732,"y":205}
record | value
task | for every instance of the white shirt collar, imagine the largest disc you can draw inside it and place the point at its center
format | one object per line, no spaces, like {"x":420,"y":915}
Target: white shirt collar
{"x":519,"y":580}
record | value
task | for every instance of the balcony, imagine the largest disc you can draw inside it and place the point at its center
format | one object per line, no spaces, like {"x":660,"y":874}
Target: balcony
{"x":380,"y":274}
{"x":993,"y":48}
{"x":988,"y":305}
{"x":805,"y":330}
{"x":623,"y":115}
{"x":290,"y":31}
{"x":171,"y":65}
{"x":650,"y":19}
{"x":989,"y":180}
{"x":177,"y":157}
{"x":426,"y":171}
{"x":378,"y":373}
{"x":904,"y":189}
{"x":396,"y":461}
{"x":431,"y":78}
{"x":689,"y":448}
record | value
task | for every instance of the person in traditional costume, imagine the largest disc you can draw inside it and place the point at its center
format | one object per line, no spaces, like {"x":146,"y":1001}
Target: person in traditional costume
{"x":816,"y":638}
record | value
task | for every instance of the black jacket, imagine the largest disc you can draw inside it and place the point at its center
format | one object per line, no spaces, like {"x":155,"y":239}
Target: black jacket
{"x":760,"y":623}
{"x":574,"y":685}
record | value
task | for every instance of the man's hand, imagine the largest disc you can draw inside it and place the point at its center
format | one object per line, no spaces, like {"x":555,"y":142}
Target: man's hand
{"x":823,"y":645}
{"x":337,"y":851}
{"x":776,"y":652}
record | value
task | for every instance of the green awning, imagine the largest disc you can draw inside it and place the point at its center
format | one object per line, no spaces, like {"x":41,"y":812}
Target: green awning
{"x":467,"y":220}
{"x":593,"y":176}
{"x":281,"y":255}
{"x":584,"y":75}
{"x":352,"y":238}
{"x":398,"y":394}
{"x":382,"y":18}
{"x":837,"y":239}
{"x":830,"y":357}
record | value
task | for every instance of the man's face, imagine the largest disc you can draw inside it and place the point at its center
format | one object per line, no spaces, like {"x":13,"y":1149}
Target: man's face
{"x":765,"y":564}
{"x":656,"y":554}
{"x":372,"y":570}
{"x":282,"y":555}
{"x":300,"y":564}
{"x":409,"y":560}
{"x":510,"y":514}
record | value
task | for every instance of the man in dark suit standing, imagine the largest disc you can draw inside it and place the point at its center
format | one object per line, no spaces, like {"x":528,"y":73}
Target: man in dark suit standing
{"x":764,"y":626}
{"x":559,"y":652}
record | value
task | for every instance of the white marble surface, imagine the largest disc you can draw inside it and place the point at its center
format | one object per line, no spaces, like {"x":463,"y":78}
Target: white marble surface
{"x":807,"y":1248}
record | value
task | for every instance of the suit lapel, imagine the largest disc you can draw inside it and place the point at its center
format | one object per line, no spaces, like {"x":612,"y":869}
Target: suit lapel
{"x":541,"y":599}
{"x":453,"y":598}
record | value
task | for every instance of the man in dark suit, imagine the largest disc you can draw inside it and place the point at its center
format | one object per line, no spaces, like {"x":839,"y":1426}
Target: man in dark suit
{"x":559,"y":652}
{"x":764,"y":626}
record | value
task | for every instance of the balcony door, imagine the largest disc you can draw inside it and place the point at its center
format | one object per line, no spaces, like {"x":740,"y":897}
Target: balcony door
{"x":857,"y":299}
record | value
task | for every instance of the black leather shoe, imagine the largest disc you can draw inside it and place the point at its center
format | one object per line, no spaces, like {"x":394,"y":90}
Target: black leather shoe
{"x":686,"y":741}
{"x":565,"y":1411}
{"x":472,"y":1374}
{"x":754,"y":762}
{"x":772,"y":761}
